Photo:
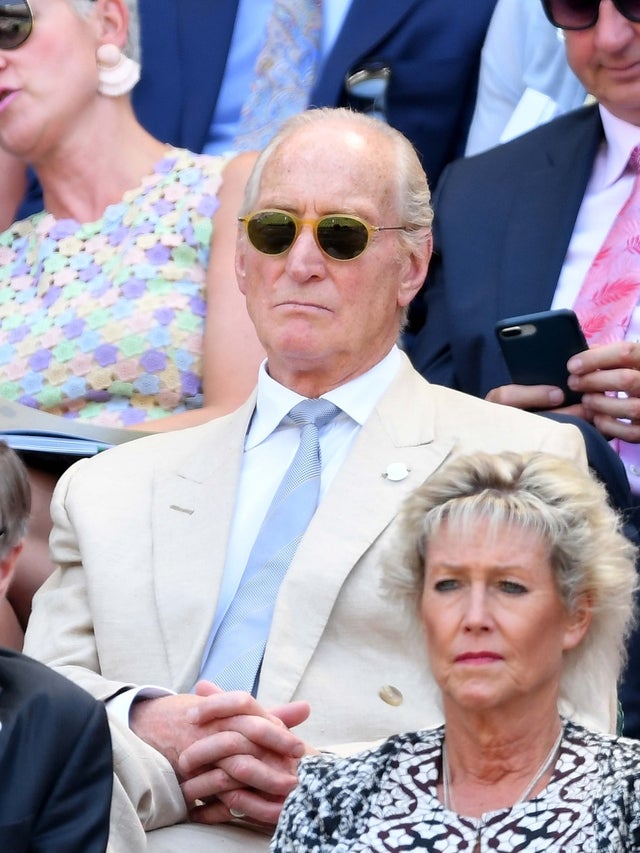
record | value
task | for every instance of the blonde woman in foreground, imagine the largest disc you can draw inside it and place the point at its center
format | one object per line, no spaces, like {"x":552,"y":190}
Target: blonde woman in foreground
{"x":524,"y":586}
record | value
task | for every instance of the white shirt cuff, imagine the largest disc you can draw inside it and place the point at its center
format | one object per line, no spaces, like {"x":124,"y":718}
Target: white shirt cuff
{"x":120,"y":705}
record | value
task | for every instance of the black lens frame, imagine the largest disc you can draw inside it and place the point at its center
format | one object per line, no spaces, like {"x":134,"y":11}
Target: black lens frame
{"x":15,"y":26}
{"x":621,"y":5}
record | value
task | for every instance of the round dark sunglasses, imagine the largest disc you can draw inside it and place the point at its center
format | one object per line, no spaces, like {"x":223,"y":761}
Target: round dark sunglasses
{"x":16,"y":23}
{"x":339,"y":235}
{"x":583,"y":14}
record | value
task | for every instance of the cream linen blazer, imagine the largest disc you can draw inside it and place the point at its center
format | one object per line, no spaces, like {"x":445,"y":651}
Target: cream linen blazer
{"x":140,"y":538}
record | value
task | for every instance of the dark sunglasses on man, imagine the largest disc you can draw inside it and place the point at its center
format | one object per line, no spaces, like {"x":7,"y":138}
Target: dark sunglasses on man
{"x":583,"y":14}
{"x":16,"y":23}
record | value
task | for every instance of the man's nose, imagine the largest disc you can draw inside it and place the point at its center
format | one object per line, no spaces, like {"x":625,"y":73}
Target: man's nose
{"x":305,"y":259}
{"x":612,"y":29}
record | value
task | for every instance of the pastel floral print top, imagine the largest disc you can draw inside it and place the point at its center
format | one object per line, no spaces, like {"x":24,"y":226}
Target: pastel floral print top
{"x":104,"y":321}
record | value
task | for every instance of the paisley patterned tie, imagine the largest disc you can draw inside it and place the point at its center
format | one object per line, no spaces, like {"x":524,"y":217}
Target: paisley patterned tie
{"x":285,"y":71}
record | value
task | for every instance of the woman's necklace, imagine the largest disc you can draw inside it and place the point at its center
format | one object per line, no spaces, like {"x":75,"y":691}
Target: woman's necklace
{"x":546,"y":764}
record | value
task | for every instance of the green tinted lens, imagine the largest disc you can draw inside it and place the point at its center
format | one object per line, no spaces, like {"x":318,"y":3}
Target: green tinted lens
{"x":271,"y":232}
{"x":16,"y":24}
{"x":342,"y":237}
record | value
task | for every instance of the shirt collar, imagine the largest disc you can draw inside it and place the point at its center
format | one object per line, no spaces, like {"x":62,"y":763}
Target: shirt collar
{"x":622,"y":138}
{"x":356,"y":398}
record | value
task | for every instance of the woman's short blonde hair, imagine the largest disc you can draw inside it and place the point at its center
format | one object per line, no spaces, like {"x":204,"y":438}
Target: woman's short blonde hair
{"x":591,"y":559}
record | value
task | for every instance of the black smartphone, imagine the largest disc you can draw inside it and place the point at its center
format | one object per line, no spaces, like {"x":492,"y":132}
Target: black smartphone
{"x":536,"y":348}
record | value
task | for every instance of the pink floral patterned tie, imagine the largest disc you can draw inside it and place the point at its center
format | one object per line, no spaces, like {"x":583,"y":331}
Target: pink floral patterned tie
{"x":610,"y":292}
{"x":611,"y":287}
{"x":285,"y":71}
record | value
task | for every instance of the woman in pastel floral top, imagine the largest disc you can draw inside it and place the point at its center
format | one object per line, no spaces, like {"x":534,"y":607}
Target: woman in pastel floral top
{"x":118,"y":303}
{"x":524,"y":587}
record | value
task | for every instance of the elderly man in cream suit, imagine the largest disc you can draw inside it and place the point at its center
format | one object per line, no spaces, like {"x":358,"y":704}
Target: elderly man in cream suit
{"x":146,"y":535}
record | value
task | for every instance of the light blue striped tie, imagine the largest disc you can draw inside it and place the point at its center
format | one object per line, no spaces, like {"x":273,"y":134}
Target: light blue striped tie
{"x":238,"y":647}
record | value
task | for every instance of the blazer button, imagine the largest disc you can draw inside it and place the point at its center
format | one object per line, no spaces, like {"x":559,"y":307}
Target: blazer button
{"x":391,"y":695}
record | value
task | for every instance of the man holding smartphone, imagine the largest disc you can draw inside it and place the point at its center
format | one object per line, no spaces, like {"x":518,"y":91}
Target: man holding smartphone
{"x":519,"y":227}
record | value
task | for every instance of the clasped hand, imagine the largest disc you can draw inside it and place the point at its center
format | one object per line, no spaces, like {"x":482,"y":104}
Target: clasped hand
{"x":227,"y":751}
{"x":608,"y":377}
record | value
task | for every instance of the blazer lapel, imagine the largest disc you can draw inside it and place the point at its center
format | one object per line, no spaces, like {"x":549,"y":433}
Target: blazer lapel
{"x":359,"y":505}
{"x":205,"y":39}
{"x":545,"y":205}
{"x":366,"y":24}
{"x":192,"y":507}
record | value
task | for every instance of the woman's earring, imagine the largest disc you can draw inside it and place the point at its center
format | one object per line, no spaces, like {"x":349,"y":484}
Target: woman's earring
{"x":117,"y":74}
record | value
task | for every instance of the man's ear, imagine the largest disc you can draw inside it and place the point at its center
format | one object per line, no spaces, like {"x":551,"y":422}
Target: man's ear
{"x":414,"y":271}
{"x":7,"y":566}
{"x":241,"y":260}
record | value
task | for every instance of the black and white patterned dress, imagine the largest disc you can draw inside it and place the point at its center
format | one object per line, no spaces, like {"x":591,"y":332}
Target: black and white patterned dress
{"x":386,"y":800}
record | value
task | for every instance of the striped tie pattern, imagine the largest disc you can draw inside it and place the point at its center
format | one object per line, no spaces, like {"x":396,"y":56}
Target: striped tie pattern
{"x":284,"y":74}
{"x":238,"y":647}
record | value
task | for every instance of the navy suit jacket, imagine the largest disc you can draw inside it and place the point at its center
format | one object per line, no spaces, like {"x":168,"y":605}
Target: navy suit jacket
{"x":433,"y":54}
{"x":503,"y":222}
{"x":55,"y":762}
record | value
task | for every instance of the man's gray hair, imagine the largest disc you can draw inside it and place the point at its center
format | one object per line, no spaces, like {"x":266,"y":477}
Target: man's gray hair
{"x":132,"y":47}
{"x":591,"y":558}
{"x":414,"y":197}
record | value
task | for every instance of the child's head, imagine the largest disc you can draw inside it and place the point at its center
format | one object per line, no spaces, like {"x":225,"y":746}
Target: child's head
{"x":15,"y":504}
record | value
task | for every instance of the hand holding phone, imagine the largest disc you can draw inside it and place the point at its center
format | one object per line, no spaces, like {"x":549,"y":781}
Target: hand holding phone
{"x":537,"y":347}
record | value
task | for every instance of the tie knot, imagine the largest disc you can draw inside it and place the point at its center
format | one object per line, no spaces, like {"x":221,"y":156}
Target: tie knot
{"x":634,"y":159}
{"x":318,"y":412}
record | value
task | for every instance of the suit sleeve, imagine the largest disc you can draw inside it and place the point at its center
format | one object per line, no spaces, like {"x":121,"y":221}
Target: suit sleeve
{"x":60,"y":630}
{"x":567,"y":442}
{"x":75,"y":818}
{"x":60,"y":633}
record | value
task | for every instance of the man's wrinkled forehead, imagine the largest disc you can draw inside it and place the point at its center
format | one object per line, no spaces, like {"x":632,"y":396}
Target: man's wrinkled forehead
{"x":330,"y":163}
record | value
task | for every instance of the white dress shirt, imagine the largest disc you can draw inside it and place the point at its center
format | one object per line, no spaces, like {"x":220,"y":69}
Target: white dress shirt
{"x":524,"y":76}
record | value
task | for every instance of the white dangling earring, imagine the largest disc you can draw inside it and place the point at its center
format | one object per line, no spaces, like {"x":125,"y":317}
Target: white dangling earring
{"x":117,"y":74}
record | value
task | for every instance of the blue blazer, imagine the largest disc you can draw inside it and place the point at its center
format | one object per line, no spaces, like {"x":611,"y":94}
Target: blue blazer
{"x":55,"y":762}
{"x":433,"y":53}
{"x":503,"y":222}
